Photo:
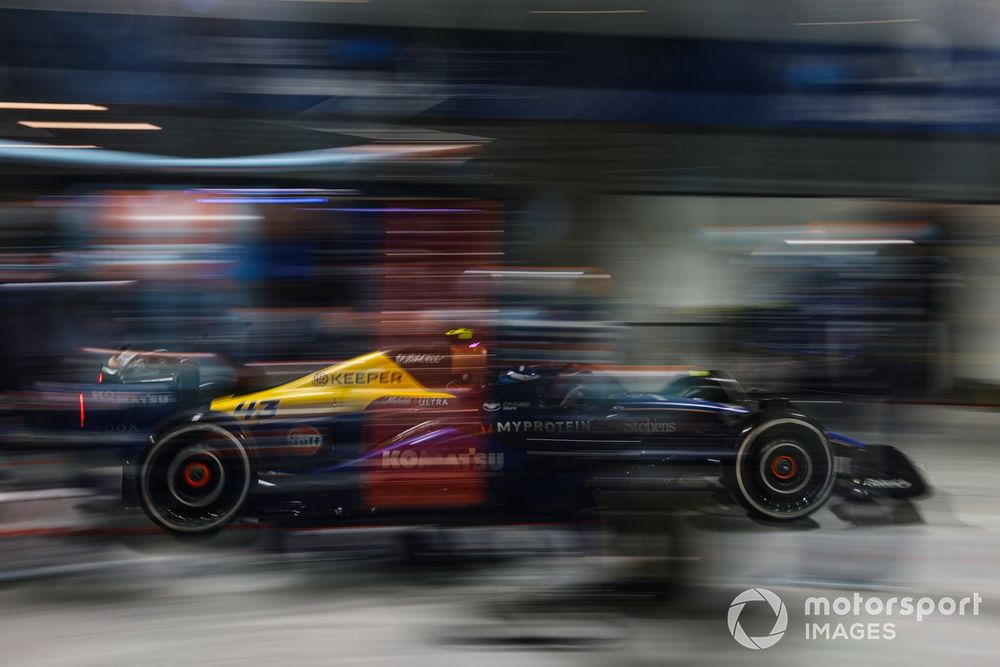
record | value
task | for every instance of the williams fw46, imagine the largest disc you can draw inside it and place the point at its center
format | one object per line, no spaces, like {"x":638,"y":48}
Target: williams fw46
{"x":430,"y":430}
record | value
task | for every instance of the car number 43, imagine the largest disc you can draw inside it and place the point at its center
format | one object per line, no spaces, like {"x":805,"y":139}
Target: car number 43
{"x":256,"y":409}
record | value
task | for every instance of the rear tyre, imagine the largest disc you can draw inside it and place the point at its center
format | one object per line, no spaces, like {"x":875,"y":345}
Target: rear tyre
{"x":785,"y":469}
{"x":195,"y":479}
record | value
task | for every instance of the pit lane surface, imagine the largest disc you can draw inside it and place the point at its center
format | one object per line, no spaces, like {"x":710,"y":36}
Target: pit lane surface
{"x":525,"y":594}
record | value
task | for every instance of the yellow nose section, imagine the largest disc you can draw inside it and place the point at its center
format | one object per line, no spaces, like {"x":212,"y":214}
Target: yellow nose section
{"x":349,"y":386}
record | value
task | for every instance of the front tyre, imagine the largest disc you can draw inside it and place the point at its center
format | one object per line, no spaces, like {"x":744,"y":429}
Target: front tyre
{"x":785,"y":469}
{"x":195,"y":479}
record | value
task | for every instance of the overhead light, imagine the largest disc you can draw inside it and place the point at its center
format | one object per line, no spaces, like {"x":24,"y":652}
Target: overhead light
{"x":264,"y":200}
{"x":587,"y":11}
{"x":50,"y":106}
{"x":873,"y":22}
{"x":32,"y":147}
{"x":530,"y":274}
{"x":187,"y":218}
{"x":850,"y":241}
{"x":810,"y":253}
{"x":402,"y":210}
{"x":294,"y":161}
{"x":402,"y":149}
{"x":65,"y":125}
{"x":275,"y":191}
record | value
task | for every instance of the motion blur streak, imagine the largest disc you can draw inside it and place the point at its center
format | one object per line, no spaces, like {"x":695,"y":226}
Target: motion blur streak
{"x":487,"y":333}
{"x":37,"y":146}
{"x":49,"y":106}
{"x":282,"y":161}
{"x":69,"y":125}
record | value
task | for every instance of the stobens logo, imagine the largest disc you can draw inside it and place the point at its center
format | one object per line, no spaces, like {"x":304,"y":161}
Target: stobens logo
{"x":780,"y":618}
{"x":650,"y":426}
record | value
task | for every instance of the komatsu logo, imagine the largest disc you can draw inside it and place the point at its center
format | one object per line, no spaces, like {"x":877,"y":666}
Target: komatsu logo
{"x":130,"y":398}
{"x":563,"y":426}
{"x":472,"y":459}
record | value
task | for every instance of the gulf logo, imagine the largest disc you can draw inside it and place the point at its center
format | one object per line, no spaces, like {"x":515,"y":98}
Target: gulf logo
{"x":304,"y":440}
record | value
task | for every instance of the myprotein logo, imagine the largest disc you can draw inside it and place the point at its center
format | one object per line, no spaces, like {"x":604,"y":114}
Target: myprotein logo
{"x":780,"y":618}
{"x":558,"y":426}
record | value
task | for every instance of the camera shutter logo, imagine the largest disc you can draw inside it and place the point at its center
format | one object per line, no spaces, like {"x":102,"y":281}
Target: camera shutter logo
{"x":780,"y":621}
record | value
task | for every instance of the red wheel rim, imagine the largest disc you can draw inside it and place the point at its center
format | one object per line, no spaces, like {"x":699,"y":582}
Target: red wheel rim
{"x":197,"y":474}
{"x":784,"y":467}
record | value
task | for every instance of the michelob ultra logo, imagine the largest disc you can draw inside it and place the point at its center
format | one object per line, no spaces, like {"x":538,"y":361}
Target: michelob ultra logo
{"x":419,"y":358}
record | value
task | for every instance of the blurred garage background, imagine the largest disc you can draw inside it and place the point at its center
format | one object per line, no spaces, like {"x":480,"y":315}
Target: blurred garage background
{"x":802,"y":193}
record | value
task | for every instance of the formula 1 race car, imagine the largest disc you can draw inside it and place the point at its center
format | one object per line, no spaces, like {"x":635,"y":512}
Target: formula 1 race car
{"x":431,"y":429}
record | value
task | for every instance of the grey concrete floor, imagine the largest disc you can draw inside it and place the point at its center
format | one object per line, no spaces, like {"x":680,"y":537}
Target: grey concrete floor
{"x":532,"y":594}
